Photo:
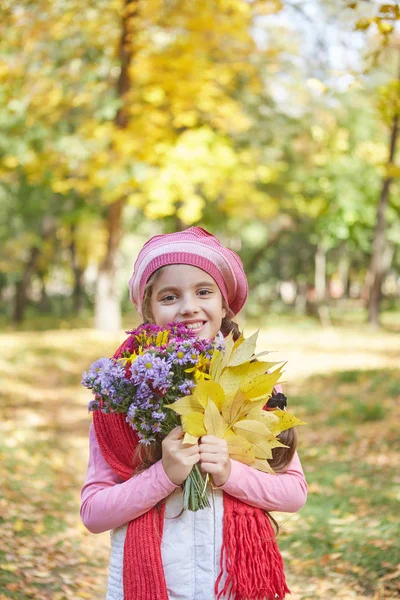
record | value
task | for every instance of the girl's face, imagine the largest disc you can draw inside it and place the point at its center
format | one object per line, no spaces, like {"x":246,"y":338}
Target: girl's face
{"x":186,"y":294}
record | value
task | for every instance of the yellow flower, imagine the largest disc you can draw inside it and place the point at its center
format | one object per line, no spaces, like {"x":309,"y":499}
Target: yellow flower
{"x":129,"y":359}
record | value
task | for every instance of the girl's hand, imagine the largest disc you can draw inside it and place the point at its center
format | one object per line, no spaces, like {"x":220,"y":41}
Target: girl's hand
{"x":178,"y":459}
{"x":214,"y":458}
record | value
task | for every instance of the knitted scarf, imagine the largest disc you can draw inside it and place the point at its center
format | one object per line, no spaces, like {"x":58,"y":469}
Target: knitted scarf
{"x":249,"y":555}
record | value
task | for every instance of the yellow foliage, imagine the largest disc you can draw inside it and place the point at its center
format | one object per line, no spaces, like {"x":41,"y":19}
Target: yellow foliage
{"x":230,"y":405}
{"x":184,"y":73}
{"x":214,"y":422}
{"x":194,"y":423}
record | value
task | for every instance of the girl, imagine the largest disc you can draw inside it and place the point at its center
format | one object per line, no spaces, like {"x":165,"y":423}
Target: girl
{"x":158,"y":552}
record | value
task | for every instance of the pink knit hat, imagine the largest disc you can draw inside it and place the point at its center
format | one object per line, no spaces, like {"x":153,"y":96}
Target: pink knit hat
{"x":196,"y":247}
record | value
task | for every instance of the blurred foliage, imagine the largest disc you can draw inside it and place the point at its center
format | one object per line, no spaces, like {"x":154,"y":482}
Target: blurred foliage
{"x":230,"y":124}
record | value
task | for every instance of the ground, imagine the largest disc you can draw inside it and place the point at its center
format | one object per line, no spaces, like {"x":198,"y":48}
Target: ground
{"x":342,"y":380}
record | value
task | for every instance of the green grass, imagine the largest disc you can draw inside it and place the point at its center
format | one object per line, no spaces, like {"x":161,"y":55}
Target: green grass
{"x":349,"y":525}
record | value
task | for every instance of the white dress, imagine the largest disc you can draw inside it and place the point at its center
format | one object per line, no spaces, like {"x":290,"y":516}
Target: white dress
{"x":190,"y":546}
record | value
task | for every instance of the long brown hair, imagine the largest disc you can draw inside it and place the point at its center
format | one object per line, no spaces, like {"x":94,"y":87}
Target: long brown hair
{"x":145,"y":456}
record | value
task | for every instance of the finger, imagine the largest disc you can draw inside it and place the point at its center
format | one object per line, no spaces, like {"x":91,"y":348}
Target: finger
{"x":209,"y":467}
{"x":210,"y":458}
{"x":187,"y":445}
{"x":194,"y":459}
{"x":176,"y":433}
{"x":218,"y":447}
{"x":189,"y":450}
{"x":210,"y":439}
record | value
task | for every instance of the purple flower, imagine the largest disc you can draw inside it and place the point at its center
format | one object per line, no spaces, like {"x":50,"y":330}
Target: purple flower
{"x":220,"y":341}
{"x":153,"y":371}
{"x":139,"y":389}
{"x":158,"y":416}
{"x":93,"y":405}
{"x":92,"y":373}
{"x":186,"y":387}
{"x":147,"y":441}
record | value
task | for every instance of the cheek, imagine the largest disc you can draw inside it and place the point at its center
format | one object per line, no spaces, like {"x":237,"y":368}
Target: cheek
{"x":162,"y":314}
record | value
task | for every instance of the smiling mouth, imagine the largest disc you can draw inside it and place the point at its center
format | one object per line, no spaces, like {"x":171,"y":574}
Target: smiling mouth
{"x":194,"y":326}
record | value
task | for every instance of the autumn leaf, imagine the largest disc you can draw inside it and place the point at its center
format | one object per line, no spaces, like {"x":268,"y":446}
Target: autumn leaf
{"x":234,"y":405}
{"x":187,"y":405}
{"x":215,"y":393}
{"x":214,"y":422}
{"x":193,"y":424}
{"x":216,"y":365}
{"x":239,"y":448}
{"x":259,"y":367}
{"x":231,"y":377}
{"x":253,"y":430}
{"x":261,"y":386}
{"x":268,"y":417}
{"x":285,"y":421}
{"x":190,"y":439}
{"x":262,"y":465}
{"x":232,"y":408}
{"x":244,"y":352}
{"x":229,"y":346}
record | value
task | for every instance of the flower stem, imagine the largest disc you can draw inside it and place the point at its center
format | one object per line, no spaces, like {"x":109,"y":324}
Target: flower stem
{"x":194,"y":491}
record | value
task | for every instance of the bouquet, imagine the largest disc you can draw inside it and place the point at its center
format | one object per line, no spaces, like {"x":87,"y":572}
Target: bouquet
{"x":168,"y":376}
{"x":158,"y":366}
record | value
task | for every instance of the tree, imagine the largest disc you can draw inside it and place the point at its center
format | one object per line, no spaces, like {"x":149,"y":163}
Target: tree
{"x":382,"y":252}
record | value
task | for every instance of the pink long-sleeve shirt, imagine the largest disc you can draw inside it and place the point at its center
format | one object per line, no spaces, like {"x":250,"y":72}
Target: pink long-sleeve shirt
{"x":109,"y":502}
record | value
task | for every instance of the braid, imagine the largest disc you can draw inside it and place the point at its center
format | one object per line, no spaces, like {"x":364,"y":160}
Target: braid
{"x":281,"y":457}
{"x":228,"y":326}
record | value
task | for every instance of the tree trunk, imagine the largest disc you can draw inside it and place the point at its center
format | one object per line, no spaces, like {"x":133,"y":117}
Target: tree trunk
{"x":320,"y":274}
{"x":47,"y":229}
{"x":22,"y":286}
{"x":344,"y":270}
{"x":107,"y":308}
{"x":44,"y":302}
{"x":320,"y":286}
{"x":77,"y":294}
{"x":381,"y":254}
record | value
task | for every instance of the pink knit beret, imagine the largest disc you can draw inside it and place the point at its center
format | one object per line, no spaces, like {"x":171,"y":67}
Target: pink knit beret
{"x":196,"y":247}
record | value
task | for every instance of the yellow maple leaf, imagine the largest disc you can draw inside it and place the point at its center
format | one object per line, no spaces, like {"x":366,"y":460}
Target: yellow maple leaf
{"x":214,"y":422}
{"x":216,"y":365}
{"x":261,"y":386}
{"x":229,"y":344}
{"x":193,"y":424}
{"x":244,"y":352}
{"x":231,"y":378}
{"x":215,"y":393}
{"x":253,"y":430}
{"x":235,"y":406}
{"x":190,"y":439}
{"x":285,"y":421}
{"x":239,"y":448}
{"x":262,"y":465}
{"x":264,"y":416}
{"x":187,"y":405}
{"x":230,"y":405}
{"x":259,"y":367}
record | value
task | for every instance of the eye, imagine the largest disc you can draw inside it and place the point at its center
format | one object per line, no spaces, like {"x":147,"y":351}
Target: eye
{"x":168,"y":298}
{"x":204,"y":292}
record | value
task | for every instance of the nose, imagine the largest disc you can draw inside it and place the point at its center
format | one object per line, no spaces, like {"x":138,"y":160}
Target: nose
{"x":189,"y":305}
